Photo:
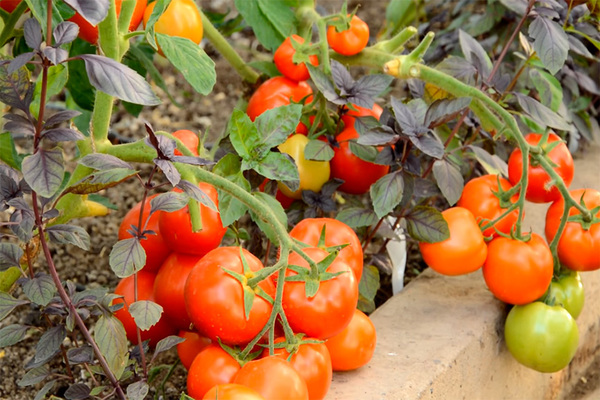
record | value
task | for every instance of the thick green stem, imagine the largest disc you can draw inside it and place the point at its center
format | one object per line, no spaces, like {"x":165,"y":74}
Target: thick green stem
{"x":222,"y":45}
{"x":108,"y":34}
{"x":369,"y":57}
{"x":324,"y":46}
{"x":396,"y":43}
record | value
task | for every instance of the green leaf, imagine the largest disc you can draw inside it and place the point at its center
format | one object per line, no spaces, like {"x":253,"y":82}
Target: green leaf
{"x":101,"y":180}
{"x":40,"y":290}
{"x":275,"y":207}
{"x":81,"y":90}
{"x":367,"y":288}
{"x":318,"y":150}
{"x":157,"y":11}
{"x":7,"y":280}
{"x":426,"y":224}
{"x":230,"y":208}
{"x":10,"y":255}
{"x":138,"y":390}
{"x":272,"y":21}
{"x":39,"y":10}
{"x":110,"y":336}
{"x":145,"y":313}
{"x":548,"y":87}
{"x":386,"y":193}
{"x":15,"y":88}
{"x":276,"y":124}
{"x":278,"y":167}
{"x":244,"y":136}
{"x":356,"y":217}
{"x":166,"y":344}
{"x":367,"y":153}
{"x":34,"y":376}
{"x":8,"y":151}
{"x":58,"y":75}
{"x":127,"y":257}
{"x":449,"y":180}
{"x":491,"y":162}
{"x":541,"y":114}
{"x":191,"y":60}
{"x":41,"y":394}
{"x":550,"y":43}
{"x":12,"y":334}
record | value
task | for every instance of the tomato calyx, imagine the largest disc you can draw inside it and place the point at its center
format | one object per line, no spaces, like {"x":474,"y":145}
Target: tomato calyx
{"x":303,"y":51}
{"x":292,"y":344}
{"x":314,"y":276}
{"x":237,"y":353}
{"x":341,"y":21}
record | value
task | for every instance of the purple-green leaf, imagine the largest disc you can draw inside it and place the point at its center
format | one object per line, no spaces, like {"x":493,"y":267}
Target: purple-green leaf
{"x":110,"y":336}
{"x":12,"y":334}
{"x":449,"y":180}
{"x":65,"y":32}
{"x":69,"y":234}
{"x":127,"y":257}
{"x":356,"y":217}
{"x":550,"y":43}
{"x":93,"y":11}
{"x":49,"y":344}
{"x":103,"y":162}
{"x":197,"y":194}
{"x":386,"y":193}
{"x":62,"y":135}
{"x":33,"y":33}
{"x":145,"y":313}
{"x":44,"y":171}
{"x":426,"y":224}
{"x":10,"y":255}
{"x":40,"y":290}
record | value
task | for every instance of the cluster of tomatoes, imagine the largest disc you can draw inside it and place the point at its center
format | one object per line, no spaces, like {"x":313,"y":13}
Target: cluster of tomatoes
{"x":542,"y":335}
{"x":204,"y":286}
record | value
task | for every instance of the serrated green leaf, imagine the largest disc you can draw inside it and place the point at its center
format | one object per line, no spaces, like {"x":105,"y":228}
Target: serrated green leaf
{"x":318,"y":150}
{"x":145,"y":313}
{"x":58,"y":75}
{"x":548,"y":87}
{"x":276,"y":124}
{"x":279,"y":167}
{"x":245,"y":137}
{"x":271,"y":21}
{"x":230,"y":208}
{"x":110,"y":336}
{"x":275,"y":207}
{"x":386,"y":193}
{"x":8,"y":151}
{"x":70,"y":234}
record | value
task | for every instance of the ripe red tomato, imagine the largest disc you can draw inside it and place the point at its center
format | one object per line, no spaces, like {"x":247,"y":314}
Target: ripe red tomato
{"x":176,"y":227}
{"x":538,"y":180}
{"x":283,"y":59}
{"x":232,"y":391}
{"x":518,"y":272}
{"x":9,"y":5}
{"x":354,"y":346}
{"x":89,"y":33}
{"x":358,"y":175}
{"x":193,"y":345}
{"x":273,"y":378}
{"x":463,"y":252}
{"x":351,"y":41}
{"x":312,"y":362}
{"x":155,"y":246}
{"x":336,"y":233}
{"x":182,"y":18}
{"x":334,"y":302}
{"x":163,"y":328}
{"x":169,"y":284}
{"x":276,"y":92}
{"x":215,"y":300}
{"x":212,"y":366}
{"x":478,"y":197}
{"x":189,"y":139}
{"x":578,"y":248}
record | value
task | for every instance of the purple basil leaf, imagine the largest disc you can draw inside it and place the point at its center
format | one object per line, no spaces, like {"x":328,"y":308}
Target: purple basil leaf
{"x":540,"y":113}
{"x":16,"y":89}
{"x":33,"y":33}
{"x":449,"y":180}
{"x":80,"y":355}
{"x":475,"y":53}
{"x":386,"y":193}
{"x":323,"y":83}
{"x":550,"y":43}
{"x":10,"y":255}
{"x":576,"y":46}
{"x":24,"y":224}
{"x":34,"y":376}
{"x":169,"y":202}
{"x":192,"y":160}
{"x":127,"y":257}
{"x":164,"y":146}
{"x":62,"y":135}
{"x":69,"y":234}
{"x":103,"y":162}
{"x":429,"y":143}
{"x":426,"y":224}
{"x":44,"y":171}
{"x":19,"y":126}
{"x":49,"y":344}
{"x":405,"y":118}
{"x":342,"y":78}
{"x":168,"y":168}
{"x":166,"y":344}
{"x":19,"y":61}
{"x":40,"y":290}
{"x":356,"y":217}
{"x":56,"y":55}
{"x":318,"y":150}
{"x":197,"y":194}
{"x":65,"y":32}
{"x":118,"y":80}
{"x":93,"y":11}
{"x":12,"y":334}
{"x":368,"y":87}
{"x":52,"y":213}
{"x":445,"y":110}
{"x":377,"y":138}
{"x":459,"y":68}
{"x":59,"y":117}
{"x":78,"y":391}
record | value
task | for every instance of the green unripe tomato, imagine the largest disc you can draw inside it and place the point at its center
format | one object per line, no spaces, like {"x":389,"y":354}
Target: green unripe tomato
{"x":567,"y":292}
{"x":541,"y":337}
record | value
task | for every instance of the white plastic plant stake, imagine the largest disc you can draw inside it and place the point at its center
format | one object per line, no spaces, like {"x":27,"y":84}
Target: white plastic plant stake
{"x":396,"y":249}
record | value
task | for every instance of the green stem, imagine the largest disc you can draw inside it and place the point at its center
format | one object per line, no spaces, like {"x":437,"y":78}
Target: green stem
{"x":222,"y":45}
{"x":108,"y":33}
{"x":127,"y":7}
{"x":369,"y":57}
{"x":396,"y":43}
{"x":323,"y":44}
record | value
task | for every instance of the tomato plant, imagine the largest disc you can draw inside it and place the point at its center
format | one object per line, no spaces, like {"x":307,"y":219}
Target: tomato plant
{"x":191,"y":347}
{"x":181,"y":18}
{"x":479,"y":198}
{"x":567,"y":291}
{"x":232,"y":391}
{"x":212,"y":366}
{"x":354,"y":346}
{"x":209,"y":283}
{"x":518,"y":272}
{"x":579,"y":245}
{"x":177,"y":231}
{"x":336,"y":233}
{"x":541,"y":337}
{"x":283,"y":59}
{"x":463,"y":252}
{"x":539,"y":187}
{"x":351,"y":41}
{"x":273,"y":378}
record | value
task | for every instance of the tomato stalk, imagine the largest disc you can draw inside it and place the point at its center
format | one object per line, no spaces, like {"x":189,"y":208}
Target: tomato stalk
{"x":396,"y":44}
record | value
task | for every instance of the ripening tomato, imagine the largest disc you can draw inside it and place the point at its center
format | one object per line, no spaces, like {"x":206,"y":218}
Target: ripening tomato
{"x":463,"y":252}
{"x":189,"y":139}
{"x":212,"y":366}
{"x":182,"y":18}
{"x":330,"y":310}
{"x":155,"y":246}
{"x":541,"y":337}
{"x":232,"y":391}
{"x":9,"y":5}
{"x":313,"y":174}
{"x":311,"y":361}
{"x":169,"y":284}
{"x":336,"y":233}
{"x":273,"y":378}
{"x":215,"y":300}
{"x":163,"y":328}
{"x":578,"y":247}
{"x":276,"y":92}
{"x":188,"y":350}
{"x":538,"y":190}
{"x":354,"y":346}
{"x":567,"y":291}
{"x":176,"y":227}
{"x":89,"y":33}
{"x":478,"y":197}
{"x":284,"y":60}
{"x":518,"y":272}
{"x":351,"y":41}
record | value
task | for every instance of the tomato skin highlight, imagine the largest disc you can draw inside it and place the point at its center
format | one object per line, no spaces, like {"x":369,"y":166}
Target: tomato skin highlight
{"x":478,"y":197}
{"x":176,"y":227}
{"x":276,"y":92}
{"x":538,"y":178}
{"x":463,"y":252}
{"x":155,"y":246}
{"x":578,"y":248}
{"x":273,"y":378}
{"x":193,"y":345}
{"x":541,"y":337}
{"x":163,"y":328}
{"x":212,"y":366}
{"x":214,"y":299}
{"x":283,"y":59}
{"x":9,"y":5}
{"x":232,"y":391}
{"x":336,"y":233}
{"x":354,"y":346}
{"x":518,"y":272}
{"x":351,"y":41}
